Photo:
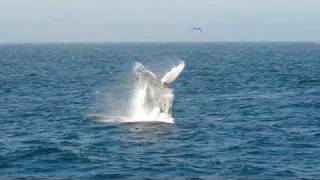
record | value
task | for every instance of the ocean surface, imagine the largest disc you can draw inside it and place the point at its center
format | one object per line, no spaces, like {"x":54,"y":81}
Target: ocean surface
{"x":242,"y":111}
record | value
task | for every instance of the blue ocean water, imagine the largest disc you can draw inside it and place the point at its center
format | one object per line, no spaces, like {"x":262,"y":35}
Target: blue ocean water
{"x":242,"y":111}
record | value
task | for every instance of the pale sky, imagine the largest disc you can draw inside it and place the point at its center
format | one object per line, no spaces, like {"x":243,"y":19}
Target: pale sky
{"x":158,"y":20}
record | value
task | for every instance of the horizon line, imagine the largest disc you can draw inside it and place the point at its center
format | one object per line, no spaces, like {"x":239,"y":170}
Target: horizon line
{"x":123,"y":42}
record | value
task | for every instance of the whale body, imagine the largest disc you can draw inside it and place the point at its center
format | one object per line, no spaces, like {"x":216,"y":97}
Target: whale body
{"x":154,"y":99}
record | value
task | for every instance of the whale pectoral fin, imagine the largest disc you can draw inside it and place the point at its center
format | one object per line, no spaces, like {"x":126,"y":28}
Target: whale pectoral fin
{"x":173,"y":74}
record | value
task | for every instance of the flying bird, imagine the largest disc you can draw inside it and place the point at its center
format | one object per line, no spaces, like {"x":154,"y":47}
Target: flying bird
{"x":197,"y":29}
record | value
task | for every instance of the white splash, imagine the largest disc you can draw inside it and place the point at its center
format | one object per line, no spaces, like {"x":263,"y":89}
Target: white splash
{"x":141,"y":113}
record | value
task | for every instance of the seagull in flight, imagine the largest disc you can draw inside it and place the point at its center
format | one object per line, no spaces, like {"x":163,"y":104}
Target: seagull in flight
{"x":197,"y":29}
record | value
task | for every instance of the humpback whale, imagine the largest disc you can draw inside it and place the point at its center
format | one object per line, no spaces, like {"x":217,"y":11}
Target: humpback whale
{"x":154,"y":99}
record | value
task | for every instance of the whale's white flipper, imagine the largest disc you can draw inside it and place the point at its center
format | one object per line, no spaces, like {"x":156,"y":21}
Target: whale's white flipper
{"x":173,"y":74}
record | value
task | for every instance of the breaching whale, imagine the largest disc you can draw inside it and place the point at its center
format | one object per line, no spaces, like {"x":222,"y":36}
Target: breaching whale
{"x":154,"y":99}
